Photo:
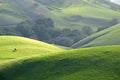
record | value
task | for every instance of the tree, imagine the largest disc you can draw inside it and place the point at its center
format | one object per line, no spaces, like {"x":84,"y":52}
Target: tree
{"x":100,"y":29}
{"x":114,"y":21}
{"x":87,"y":30}
{"x":64,"y":41}
{"x":43,"y":27}
{"x":24,"y":28}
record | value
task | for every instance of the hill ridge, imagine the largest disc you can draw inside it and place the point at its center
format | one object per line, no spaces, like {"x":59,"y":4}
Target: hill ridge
{"x":92,"y":40}
{"x":94,"y":63}
{"x":12,"y":47}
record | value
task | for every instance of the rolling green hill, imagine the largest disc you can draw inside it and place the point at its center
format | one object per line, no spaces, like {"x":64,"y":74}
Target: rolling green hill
{"x":27,"y":59}
{"x":24,"y":46}
{"x":98,"y":63}
{"x":108,"y":36}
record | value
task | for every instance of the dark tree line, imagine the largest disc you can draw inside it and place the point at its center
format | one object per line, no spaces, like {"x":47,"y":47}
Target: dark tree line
{"x":112,"y":22}
{"x":43,"y":29}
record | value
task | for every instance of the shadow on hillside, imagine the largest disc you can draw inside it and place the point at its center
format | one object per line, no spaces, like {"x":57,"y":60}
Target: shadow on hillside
{"x":41,"y":70}
{"x":2,"y":77}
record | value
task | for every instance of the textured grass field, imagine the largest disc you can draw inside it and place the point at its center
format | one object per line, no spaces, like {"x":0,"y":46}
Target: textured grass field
{"x":24,"y":46}
{"x":98,"y":63}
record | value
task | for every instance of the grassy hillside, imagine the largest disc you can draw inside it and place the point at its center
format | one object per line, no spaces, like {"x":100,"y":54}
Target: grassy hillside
{"x":66,"y":13}
{"x":24,"y":46}
{"x":99,"y":63}
{"x":108,"y":36}
{"x":79,"y":13}
{"x":20,"y":10}
{"x":6,"y":20}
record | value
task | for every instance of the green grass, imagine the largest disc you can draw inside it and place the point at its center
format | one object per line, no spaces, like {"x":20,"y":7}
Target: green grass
{"x":36,"y":60}
{"x":97,"y":63}
{"x":10,"y":15}
{"x":24,"y":46}
{"x":88,"y":11}
{"x":109,"y":36}
{"x":1,"y":4}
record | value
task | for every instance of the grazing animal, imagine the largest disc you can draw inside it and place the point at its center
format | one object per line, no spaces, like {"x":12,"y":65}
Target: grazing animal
{"x":14,"y":50}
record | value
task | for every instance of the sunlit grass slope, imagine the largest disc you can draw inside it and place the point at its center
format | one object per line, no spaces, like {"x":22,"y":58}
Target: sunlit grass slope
{"x":109,"y":36}
{"x":99,"y":63}
{"x":24,"y":46}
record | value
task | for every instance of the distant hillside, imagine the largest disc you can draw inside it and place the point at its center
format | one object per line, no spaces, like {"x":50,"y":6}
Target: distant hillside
{"x":79,"y":13}
{"x":100,"y":63}
{"x":20,"y":10}
{"x":24,"y":47}
{"x":66,"y":13}
{"x":108,"y":36}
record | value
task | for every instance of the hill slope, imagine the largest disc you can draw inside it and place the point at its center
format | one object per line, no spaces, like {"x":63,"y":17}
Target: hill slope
{"x":66,"y":13}
{"x":108,"y":36}
{"x":100,"y":63}
{"x":79,"y":13}
{"x":20,"y":10}
{"x":24,"y":46}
